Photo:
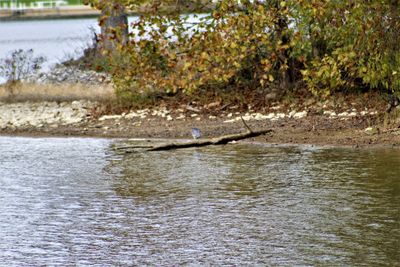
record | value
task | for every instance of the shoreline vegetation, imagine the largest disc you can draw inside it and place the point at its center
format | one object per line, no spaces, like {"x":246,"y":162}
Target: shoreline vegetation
{"x":317,"y":83}
{"x":93,"y":111}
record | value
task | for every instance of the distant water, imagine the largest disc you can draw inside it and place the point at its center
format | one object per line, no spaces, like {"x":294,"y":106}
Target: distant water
{"x":74,"y":202}
{"x":57,"y":40}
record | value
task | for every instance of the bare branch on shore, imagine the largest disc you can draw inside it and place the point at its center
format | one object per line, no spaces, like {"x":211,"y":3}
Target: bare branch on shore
{"x":222,"y":140}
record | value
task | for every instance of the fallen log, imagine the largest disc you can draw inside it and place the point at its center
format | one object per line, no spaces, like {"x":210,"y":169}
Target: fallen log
{"x":222,"y":140}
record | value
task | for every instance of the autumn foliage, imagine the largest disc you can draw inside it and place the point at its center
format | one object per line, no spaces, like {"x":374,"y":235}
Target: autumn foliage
{"x":323,"y":45}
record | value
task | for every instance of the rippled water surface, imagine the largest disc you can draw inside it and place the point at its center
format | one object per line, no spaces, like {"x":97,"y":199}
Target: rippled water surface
{"x":74,"y":202}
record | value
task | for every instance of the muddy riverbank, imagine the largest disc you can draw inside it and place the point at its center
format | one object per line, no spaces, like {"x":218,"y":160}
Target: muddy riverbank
{"x":353,"y":127}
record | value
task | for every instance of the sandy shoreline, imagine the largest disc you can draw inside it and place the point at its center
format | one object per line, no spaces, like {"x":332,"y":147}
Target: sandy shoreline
{"x":80,"y":119}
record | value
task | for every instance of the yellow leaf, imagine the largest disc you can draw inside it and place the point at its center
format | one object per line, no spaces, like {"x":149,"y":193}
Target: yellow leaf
{"x":187,"y":65}
{"x":204,"y":55}
{"x":271,"y":78}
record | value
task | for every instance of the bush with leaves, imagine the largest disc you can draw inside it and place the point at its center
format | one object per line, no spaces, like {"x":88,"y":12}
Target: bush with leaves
{"x":236,"y":45}
{"x":19,"y":65}
{"x":330,"y":45}
{"x":356,"y":44}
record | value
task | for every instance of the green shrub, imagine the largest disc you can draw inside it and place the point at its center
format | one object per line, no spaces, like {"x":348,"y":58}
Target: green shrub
{"x":361,"y":42}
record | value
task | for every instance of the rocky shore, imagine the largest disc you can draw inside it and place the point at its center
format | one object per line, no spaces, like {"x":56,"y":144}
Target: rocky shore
{"x":70,"y":75}
{"x":78,"y":118}
{"x":19,"y":116}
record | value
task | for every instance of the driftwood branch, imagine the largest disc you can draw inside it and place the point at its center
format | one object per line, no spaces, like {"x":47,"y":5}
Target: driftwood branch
{"x":221,"y":140}
{"x":212,"y":141}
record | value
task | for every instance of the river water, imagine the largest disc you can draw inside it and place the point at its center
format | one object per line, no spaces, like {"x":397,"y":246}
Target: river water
{"x":57,"y":40}
{"x":75,"y":202}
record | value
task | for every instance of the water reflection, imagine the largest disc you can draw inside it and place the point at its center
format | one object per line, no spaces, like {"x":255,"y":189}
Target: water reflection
{"x":367,"y":197}
{"x":313,"y":206}
{"x":74,"y":202}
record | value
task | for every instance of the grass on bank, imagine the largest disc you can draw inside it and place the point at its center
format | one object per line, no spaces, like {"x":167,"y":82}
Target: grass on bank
{"x":50,"y":92}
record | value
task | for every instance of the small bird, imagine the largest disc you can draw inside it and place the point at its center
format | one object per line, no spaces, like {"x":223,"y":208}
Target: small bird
{"x":196,"y":133}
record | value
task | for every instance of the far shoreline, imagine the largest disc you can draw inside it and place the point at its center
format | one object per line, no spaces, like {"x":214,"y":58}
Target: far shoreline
{"x":59,"y":13}
{"x":63,"y":12}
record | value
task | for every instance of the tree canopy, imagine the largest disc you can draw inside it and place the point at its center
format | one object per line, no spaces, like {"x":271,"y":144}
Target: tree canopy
{"x":325,"y":45}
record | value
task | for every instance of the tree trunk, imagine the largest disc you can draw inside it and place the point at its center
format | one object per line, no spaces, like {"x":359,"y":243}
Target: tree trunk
{"x":114,"y":26}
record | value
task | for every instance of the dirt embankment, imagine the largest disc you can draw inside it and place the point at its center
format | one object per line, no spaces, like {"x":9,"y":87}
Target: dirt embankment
{"x":319,"y":124}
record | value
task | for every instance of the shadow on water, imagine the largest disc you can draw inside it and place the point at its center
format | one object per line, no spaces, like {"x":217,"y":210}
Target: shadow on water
{"x":257,"y":204}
